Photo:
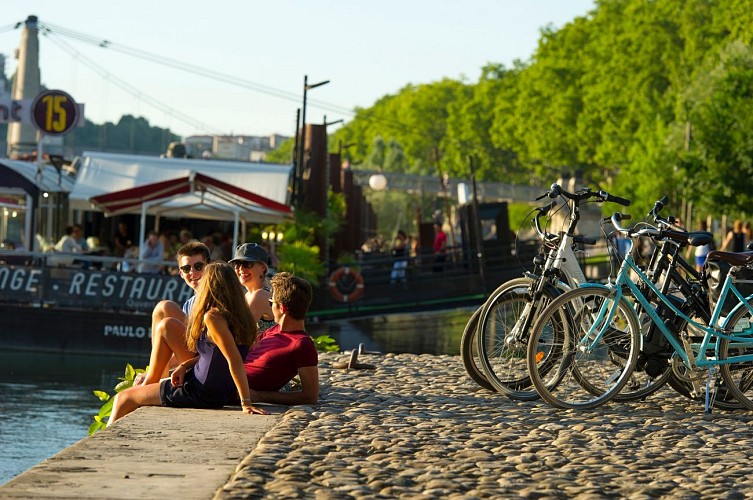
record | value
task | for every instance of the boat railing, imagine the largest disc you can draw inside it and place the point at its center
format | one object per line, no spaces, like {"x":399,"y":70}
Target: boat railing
{"x":76,"y":260}
{"x":86,"y":281}
{"x":457,"y":259}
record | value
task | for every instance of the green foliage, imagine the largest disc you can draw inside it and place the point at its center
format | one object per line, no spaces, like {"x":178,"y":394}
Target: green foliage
{"x":283,"y":154}
{"x":126,"y":381}
{"x":336,"y":208}
{"x":376,"y":158}
{"x":302,"y":259}
{"x":325,"y":343}
{"x":641,"y":98}
{"x":299,"y":251}
{"x":715,"y":147}
{"x":519,"y":215}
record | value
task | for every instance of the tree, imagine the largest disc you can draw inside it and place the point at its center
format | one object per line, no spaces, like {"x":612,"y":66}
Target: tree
{"x":716,"y":153}
{"x":395,"y":160}
{"x":376,"y":158}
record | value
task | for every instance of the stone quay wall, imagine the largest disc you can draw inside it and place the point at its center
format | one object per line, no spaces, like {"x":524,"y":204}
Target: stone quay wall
{"x":408,"y":426}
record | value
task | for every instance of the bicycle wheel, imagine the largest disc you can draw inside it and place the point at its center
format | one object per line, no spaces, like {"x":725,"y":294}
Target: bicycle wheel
{"x":652,"y":371}
{"x":469,"y":351}
{"x":737,"y":377}
{"x":503,"y":339}
{"x":594,"y":344}
{"x":681,"y":379}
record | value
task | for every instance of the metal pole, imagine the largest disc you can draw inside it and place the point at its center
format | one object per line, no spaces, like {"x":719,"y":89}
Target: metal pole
{"x":302,"y":152}
{"x":477,"y":226}
{"x":326,"y":199}
{"x":296,"y":164}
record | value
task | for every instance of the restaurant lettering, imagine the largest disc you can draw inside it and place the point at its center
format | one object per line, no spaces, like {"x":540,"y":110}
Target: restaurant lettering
{"x":128,"y":286}
{"x":90,"y":288}
{"x":19,"y":279}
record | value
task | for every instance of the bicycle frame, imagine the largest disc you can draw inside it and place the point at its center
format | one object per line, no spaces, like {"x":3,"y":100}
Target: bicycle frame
{"x":712,"y":335}
{"x":565,"y":263}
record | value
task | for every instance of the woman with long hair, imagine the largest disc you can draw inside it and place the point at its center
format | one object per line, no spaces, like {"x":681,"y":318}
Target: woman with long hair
{"x":220,"y":330}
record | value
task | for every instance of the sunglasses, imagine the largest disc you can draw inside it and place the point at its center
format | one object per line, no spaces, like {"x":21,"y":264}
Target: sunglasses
{"x":243,"y":264}
{"x":198,"y":267}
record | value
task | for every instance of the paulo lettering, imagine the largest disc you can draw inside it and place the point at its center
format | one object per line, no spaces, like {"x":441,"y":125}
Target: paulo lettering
{"x":126,"y":331}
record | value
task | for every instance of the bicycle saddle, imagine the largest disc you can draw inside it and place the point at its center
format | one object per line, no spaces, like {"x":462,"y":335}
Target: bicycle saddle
{"x":731,"y":258}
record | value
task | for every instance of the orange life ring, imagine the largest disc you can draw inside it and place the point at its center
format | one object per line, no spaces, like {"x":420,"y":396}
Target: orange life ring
{"x":346,"y":285}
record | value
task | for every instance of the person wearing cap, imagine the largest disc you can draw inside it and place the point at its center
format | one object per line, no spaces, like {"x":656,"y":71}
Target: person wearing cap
{"x":168,"y":317}
{"x":219,"y":332}
{"x":250,"y":263}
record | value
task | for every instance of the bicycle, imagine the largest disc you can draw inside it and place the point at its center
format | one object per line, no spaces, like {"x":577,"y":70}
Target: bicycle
{"x":505,"y":319}
{"x":599,"y":337}
{"x":542,"y":264}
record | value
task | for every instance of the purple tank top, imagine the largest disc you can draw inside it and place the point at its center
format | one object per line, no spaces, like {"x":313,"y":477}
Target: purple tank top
{"x":212,"y":369}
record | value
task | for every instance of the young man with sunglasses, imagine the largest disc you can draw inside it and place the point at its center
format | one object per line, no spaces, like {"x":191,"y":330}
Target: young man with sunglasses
{"x":168,"y":317}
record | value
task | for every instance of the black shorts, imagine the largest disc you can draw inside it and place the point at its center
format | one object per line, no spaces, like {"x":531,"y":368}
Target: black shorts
{"x":190,"y":395}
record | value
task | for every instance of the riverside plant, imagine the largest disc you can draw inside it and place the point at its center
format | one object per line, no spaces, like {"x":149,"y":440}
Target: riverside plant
{"x":323,"y":343}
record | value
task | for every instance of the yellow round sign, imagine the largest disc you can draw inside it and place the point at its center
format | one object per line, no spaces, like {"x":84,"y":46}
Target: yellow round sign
{"x":54,"y":112}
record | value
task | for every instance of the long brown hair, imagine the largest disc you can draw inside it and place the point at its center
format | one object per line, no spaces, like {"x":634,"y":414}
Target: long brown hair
{"x":220,"y":289}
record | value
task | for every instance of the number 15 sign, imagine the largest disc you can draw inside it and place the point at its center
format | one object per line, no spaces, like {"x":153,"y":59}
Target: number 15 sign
{"x":54,"y":112}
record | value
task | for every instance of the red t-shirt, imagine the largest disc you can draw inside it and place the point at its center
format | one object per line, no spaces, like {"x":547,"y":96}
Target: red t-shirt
{"x":276,"y":356}
{"x":440,"y":240}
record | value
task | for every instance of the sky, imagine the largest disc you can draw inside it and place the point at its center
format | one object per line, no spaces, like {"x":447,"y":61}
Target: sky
{"x":257,"y":54}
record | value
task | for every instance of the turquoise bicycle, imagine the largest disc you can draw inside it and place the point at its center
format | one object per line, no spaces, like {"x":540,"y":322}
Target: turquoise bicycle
{"x":598,"y":339}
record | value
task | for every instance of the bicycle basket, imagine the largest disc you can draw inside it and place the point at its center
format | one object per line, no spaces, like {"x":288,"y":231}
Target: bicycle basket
{"x":715,"y":272}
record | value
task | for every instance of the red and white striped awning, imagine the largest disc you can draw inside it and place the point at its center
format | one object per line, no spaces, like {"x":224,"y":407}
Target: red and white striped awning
{"x":184,"y":193}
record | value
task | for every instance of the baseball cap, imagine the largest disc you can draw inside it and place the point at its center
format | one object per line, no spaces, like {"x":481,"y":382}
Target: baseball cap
{"x":250,"y":252}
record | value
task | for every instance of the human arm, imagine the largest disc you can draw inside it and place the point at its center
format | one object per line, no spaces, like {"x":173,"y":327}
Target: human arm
{"x":309,"y":394}
{"x":219,"y":332}
{"x":179,"y":374}
{"x":727,"y":241}
{"x":258,"y":301}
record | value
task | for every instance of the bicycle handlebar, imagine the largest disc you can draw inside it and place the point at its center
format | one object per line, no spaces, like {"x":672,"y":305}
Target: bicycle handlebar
{"x":584,"y":240}
{"x":544,"y":210}
{"x":662,"y":221}
{"x":617,"y":217}
{"x":540,"y":212}
{"x":583,"y":194}
{"x":615,"y":199}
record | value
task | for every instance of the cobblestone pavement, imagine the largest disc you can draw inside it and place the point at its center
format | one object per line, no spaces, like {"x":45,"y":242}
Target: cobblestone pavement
{"x":415,"y":426}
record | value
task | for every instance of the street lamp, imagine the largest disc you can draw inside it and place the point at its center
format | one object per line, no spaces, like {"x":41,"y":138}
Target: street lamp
{"x":272,"y":238}
{"x":378,"y":182}
{"x":302,"y":151}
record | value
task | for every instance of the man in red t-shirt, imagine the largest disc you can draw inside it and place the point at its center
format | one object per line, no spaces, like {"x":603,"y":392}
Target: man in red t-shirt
{"x":285,"y":350}
{"x":439,"y":247}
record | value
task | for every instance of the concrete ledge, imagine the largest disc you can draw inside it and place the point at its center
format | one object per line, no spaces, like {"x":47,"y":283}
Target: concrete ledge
{"x":154,"y":452}
{"x":411,"y":426}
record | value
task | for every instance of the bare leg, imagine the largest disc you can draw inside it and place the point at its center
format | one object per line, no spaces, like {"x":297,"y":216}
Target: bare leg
{"x":168,"y":339}
{"x":132,"y":398}
{"x":166,"y":309}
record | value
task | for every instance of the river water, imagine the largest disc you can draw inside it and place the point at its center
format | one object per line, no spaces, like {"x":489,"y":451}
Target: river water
{"x":46,"y":400}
